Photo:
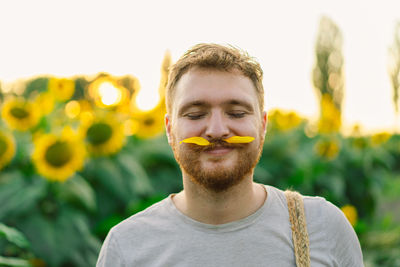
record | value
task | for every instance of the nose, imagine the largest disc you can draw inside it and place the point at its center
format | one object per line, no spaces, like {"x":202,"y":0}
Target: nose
{"x":217,"y":126}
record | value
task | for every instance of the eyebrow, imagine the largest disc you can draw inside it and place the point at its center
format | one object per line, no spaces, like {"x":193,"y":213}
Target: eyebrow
{"x":200,"y":103}
{"x":196,"y":103}
{"x":235,"y":102}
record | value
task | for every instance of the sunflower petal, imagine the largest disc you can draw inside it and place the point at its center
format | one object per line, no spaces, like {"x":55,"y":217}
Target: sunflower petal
{"x":239,"y":139}
{"x":196,"y":140}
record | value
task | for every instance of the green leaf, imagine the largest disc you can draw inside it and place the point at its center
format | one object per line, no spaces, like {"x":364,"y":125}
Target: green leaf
{"x":42,"y":233}
{"x":78,"y":190}
{"x":104,"y":226}
{"x":57,"y":239}
{"x":10,"y":184}
{"x":36,"y":85}
{"x":82,"y":245}
{"x":14,"y":236}
{"x":110,"y":176}
{"x":137,"y":206}
{"x":8,"y":261}
{"x":139,"y":180}
{"x":23,"y":199}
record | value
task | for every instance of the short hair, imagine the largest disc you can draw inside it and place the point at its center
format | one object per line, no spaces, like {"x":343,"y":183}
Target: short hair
{"x":217,"y":57}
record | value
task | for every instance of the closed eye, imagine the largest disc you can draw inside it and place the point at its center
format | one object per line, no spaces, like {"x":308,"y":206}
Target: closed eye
{"x":195,"y":116}
{"x":237,"y":115}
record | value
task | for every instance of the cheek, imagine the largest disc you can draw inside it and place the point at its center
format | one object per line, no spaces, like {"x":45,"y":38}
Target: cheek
{"x":189,"y":129}
{"x":248,"y":128}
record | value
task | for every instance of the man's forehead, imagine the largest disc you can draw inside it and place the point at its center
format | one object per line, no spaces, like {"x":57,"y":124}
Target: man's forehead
{"x":197,"y":83}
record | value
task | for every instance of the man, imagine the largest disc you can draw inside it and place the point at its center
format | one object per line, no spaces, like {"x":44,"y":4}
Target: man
{"x":223,"y":218}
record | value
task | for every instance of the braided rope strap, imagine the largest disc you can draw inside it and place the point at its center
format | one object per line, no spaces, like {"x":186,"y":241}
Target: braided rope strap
{"x":299,"y":228}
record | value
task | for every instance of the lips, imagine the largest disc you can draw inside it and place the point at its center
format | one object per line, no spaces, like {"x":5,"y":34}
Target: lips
{"x":219,"y":150}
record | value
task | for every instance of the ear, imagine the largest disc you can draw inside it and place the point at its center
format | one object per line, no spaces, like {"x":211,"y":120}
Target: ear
{"x":264,"y":121}
{"x":168,"y":123}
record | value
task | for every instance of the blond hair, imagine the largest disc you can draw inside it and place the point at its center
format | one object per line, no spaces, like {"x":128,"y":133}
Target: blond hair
{"x":217,"y":57}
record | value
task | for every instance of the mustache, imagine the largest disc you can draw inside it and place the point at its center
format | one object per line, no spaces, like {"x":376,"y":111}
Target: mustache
{"x":215,"y":142}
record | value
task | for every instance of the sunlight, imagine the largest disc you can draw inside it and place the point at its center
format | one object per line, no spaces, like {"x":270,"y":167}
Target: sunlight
{"x":147,"y":100}
{"x":148,"y":96}
{"x":109,"y":94}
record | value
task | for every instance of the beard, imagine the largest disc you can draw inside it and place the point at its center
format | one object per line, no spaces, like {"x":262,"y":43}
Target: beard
{"x":219,"y":178}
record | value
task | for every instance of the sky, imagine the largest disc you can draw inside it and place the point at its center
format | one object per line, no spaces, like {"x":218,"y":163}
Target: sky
{"x":67,"y":38}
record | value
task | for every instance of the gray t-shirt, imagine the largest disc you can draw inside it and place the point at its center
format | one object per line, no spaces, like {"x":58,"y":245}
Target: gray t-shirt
{"x":163,"y":236}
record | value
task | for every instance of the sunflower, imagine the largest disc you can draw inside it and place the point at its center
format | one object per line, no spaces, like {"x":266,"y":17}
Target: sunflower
{"x":7,"y":148}
{"x":58,"y":157}
{"x":45,"y":101}
{"x":351,"y":214}
{"x":20,"y":114}
{"x":150,"y":123}
{"x":330,"y":121}
{"x":328,"y":148}
{"x":72,"y":109}
{"x":104,"y":135}
{"x":284,"y":121}
{"x":380,"y":138}
{"x":62,"y":88}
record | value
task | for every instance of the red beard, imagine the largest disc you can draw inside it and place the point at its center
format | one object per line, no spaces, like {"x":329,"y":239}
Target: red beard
{"x":217,"y":179}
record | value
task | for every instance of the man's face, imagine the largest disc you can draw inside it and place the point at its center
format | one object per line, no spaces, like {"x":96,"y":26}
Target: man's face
{"x":216,"y":105}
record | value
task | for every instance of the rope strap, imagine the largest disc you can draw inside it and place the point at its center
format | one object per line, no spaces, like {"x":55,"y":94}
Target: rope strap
{"x":299,"y":228}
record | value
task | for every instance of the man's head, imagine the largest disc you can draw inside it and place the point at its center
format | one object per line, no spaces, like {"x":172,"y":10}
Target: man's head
{"x":215,"y":92}
{"x":215,"y":57}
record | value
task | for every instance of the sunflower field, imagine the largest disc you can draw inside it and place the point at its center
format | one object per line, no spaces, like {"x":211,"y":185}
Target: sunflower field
{"x":77,"y":156}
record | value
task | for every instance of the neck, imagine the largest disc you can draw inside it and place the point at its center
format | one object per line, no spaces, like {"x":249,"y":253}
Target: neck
{"x":215,"y":208}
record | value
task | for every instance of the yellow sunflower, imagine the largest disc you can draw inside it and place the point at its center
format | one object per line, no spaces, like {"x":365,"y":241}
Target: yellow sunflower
{"x":45,"y":101}
{"x":7,"y":148}
{"x":62,"y":88}
{"x":104,"y":135}
{"x":58,"y":157}
{"x":20,"y":114}
{"x":284,"y":121}
{"x":86,"y":111}
{"x":149,"y":123}
{"x":330,"y":120}
{"x":351,"y":214}
{"x":328,"y":149}
{"x":72,"y":109}
{"x":380,"y":138}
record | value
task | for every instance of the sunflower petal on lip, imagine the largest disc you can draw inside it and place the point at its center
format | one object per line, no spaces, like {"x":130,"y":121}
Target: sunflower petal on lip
{"x":196,"y":140}
{"x":239,"y":139}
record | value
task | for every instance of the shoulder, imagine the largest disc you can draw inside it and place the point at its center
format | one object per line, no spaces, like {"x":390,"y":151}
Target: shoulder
{"x":141,"y":226}
{"x":342,"y":241}
{"x":324,"y":217}
{"x":316,"y":208}
{"x":127,"y":236}
{"x":328,"y":222}
{"x":331,"y":235}
{"x":141,"y":221}
{"x":327,"y":215}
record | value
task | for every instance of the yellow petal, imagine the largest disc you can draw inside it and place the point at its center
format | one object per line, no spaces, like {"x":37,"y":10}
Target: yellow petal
{"x":196,"y":140}
{"x":239,"y":139}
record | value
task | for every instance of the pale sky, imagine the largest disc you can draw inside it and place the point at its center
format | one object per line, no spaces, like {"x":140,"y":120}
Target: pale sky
{"x":67,"y":38}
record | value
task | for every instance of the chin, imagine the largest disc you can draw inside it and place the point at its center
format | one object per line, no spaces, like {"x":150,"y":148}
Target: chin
{"x":217,"y":173}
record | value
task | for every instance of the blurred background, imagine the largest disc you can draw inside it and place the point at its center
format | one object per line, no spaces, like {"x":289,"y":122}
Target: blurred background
{"x":82,"y":87}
